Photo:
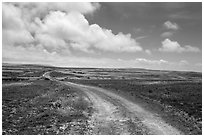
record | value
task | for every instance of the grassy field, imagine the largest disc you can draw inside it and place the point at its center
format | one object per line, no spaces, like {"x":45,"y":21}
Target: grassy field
{"x":33,"y":105}
{"x":43,"y":107}
{"x":179,"y":94}
{"x":182,"y":95}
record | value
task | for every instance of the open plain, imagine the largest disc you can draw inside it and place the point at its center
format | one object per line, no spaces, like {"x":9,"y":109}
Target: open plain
{"x":49,"y":100}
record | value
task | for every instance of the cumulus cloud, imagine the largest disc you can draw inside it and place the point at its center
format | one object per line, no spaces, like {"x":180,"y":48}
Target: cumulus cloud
{"x":36,"y":9}
{"x":13,"y":28}
{"x":51,"y":43}
{"x":63,"y":28}
{"x":171,"y":25}
{"x":51,"y":33}
{"x":174,"y":46}
{"x":78,"y":34}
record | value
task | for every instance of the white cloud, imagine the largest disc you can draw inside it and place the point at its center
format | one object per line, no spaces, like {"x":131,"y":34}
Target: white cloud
{"x":78,"y":34}
{"x":188,"y":48}
{"x":41,"y":9}
{"x":38,"y":55}
{"x":51,"y":34}
{"x":174,"y":46}
{"x":11,"y":17}
{"x":61,"y":31}
{"x":51,"y":43}
{"x":155,"y":62}
{"x":167,"y":34}
{"x":18,"y":19}
{"x":170,"y":25}
{"x":41,"y":56}
{"x":13,"y":27}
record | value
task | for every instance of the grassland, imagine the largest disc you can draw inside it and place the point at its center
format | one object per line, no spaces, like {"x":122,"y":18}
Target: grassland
{"x":34,"y":105}
{"x":177,"y":93}
{"x":38,"y":106}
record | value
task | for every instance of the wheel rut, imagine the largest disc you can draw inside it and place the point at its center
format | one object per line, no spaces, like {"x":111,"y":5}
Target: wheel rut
{"x":116,"y":115}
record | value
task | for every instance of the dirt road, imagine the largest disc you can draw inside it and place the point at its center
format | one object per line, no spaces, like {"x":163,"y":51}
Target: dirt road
{"x":114,"y":114}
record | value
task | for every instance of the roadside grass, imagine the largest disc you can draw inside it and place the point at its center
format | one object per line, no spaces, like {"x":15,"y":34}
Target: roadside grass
{"x":179,"y":98}
{"x":45,"y":107}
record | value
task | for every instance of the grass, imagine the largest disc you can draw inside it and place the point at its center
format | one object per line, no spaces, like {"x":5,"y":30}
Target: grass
{"x":184,"y":97}
{"x":44,"y":107}
{"x":47,"y":107}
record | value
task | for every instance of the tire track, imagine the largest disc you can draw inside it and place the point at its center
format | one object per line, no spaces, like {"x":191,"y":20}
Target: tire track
{"x":116,"y":115}
{"x":128,"y":117}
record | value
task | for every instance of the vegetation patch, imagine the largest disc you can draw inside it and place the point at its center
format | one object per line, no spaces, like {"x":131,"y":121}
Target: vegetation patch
{"x":45,"y":107}
{"x":181,"y":99}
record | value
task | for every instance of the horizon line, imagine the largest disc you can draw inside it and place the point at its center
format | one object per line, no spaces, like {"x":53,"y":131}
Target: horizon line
{"x":47,"y":65}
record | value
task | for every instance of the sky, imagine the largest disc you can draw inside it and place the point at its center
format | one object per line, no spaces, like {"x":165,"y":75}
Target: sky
{"x":164,"y":36}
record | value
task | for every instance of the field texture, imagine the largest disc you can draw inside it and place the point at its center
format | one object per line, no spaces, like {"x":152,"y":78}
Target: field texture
{"x":35,"y":103}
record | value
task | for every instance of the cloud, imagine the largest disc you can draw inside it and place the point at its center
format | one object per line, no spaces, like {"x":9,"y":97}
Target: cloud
{"x":170,"y":25}
{"x":38,"y":55}
{"x":167,"y":34}
{"x":155,"y":62}
{"x":54,"y":33}
{"x":13,"y":27}
{"x":60,"y":28}
{"x":174,"y":46}
{"x":75,"y":30}
{"x":51,"y":43}
{"x":41,"y":9}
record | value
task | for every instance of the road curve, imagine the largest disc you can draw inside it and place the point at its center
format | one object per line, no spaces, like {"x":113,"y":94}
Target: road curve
{"x":116,"y":115}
